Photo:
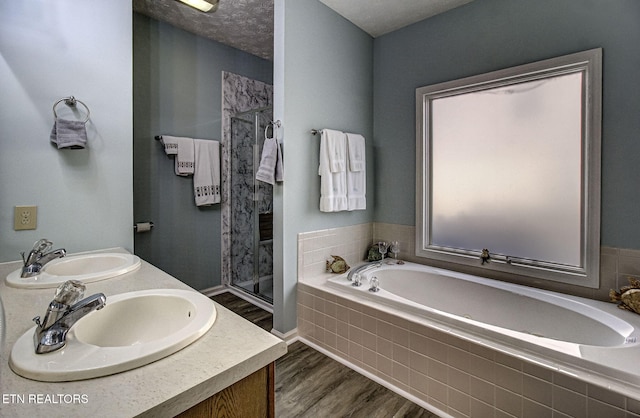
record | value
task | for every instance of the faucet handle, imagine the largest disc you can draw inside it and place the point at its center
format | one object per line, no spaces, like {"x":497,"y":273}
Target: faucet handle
{"x":69,"y":292}
{"x":42,"y":245}
{"x":38,"y":248}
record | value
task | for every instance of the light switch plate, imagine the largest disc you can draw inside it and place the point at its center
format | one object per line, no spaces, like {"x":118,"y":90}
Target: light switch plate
{"x":25,"y":217}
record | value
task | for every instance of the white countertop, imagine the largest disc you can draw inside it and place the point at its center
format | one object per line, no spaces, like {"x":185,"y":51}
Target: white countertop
{"x":231,"y":350}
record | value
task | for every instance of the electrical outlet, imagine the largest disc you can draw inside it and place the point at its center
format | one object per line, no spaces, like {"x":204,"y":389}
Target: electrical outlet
{"x":25,"y":217}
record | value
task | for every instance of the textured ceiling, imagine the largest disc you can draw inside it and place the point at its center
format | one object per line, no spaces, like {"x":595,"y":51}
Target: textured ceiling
{"x":248,"y":24}
{"x":243,"y":24}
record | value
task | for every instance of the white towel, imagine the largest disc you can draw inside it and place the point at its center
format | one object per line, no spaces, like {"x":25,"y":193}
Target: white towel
{"x":337,"y":150}
{"x":170,"y":144}
{"x":206,"y":177}
{"x":185,"y":158}
{"x":357,"y":173}
{"x":333,"y":184}
{"x":271,"y":167}
{"x":356,"y":152}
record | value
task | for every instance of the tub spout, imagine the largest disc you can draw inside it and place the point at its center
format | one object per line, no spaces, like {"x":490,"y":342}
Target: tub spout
{"x":362,"y":268}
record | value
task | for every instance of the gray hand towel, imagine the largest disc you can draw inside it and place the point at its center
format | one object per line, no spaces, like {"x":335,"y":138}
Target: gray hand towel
{"x":271,"y":168}
{"x":69,"y":134}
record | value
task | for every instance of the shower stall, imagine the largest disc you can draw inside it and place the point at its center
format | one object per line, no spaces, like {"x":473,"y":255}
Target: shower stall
{"x":251,"y":204}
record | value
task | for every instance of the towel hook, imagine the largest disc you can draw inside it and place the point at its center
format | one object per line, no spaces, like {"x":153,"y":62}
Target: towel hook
{"x":71,"y":101}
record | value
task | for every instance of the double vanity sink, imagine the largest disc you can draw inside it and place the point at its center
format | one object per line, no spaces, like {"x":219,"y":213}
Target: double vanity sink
{"x":149,"y":319}
{"x":131,"y":330}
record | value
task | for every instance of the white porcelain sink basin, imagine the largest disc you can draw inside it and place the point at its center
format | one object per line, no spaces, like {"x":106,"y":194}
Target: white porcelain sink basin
{"x":87,"y":268}
{"x":132,"y":330}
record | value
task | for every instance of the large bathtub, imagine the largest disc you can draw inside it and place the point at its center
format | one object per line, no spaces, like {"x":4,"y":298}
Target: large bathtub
{"x":551,"y":329}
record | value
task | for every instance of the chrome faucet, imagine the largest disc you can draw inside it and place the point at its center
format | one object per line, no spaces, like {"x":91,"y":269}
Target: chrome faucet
{"x":63,"y":312}
{"x":38,"y":257}
{"x":362,"y":268}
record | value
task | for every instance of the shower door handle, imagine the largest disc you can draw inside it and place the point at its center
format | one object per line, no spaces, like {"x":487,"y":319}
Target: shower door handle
{"x":256,"y":164}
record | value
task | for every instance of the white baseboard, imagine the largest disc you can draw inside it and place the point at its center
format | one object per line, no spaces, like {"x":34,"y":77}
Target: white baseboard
{"x":288,"y":337}
{"x":215,"y":290}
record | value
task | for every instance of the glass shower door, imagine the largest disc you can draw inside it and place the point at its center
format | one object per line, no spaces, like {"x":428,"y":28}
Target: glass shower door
{"x":251,"y":207}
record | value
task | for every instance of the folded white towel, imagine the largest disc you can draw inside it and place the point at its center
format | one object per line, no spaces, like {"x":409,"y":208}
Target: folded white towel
{"x":271,"y":167}
{"x":356,"y":152}
{"x":333,"y":184}
{"x":206,"y":177}
{"x":357,"y":173}
{"x":185,"y":158}
{"x":336,"y":143}
{"x":170,"y":144}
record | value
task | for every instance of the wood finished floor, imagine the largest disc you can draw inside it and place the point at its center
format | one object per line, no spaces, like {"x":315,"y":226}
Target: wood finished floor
{"x":310,"y":384}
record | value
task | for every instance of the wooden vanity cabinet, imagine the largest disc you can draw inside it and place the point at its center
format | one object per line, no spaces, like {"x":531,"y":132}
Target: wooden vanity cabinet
{"x":251,"y":397}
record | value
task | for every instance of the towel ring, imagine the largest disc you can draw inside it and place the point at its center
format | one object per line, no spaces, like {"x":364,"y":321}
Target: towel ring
{"x":274,"y":124}
{"x":71,"y":101}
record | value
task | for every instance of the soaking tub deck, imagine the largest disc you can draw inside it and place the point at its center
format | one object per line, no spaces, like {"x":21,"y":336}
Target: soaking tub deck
{"x":592,"y":340}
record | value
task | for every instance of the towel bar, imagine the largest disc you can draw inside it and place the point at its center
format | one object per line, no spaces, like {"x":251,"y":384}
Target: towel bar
{"x":159,"y":137}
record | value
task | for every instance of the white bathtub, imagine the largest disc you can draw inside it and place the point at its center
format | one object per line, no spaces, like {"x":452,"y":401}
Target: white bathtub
{"x":582,"y":336}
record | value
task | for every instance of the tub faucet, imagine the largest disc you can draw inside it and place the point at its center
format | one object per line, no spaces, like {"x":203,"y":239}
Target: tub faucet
{"x":63,"y":312}
{"x":38,"y":257}
{"x":362,"y":268}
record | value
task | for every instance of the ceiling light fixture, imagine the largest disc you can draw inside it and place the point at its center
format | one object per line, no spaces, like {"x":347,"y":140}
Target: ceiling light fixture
{"x":203,"y":5}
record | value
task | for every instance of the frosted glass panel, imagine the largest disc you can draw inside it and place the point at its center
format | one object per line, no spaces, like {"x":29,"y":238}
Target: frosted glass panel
{"x":508,"y":177}
{"x":510,"y":161}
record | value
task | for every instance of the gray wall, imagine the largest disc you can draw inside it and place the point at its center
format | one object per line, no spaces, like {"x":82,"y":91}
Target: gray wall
{"x":178,"y":91}
{"x":323,"y":79}
{"x":489,"y":35}
{"x":49,"y":51}
{"x":322,"y":70}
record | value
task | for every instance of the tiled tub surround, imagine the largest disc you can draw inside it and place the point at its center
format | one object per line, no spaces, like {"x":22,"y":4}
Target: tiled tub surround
{"x":352,"y":243}
{"x":315,"y":248}
{"x":455,"y":375}
{"x":582,"y":336}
